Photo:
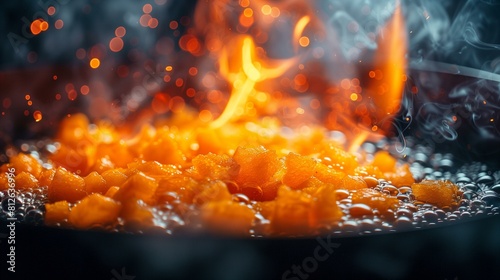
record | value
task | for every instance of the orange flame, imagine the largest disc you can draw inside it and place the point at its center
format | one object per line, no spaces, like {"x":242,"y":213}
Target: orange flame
{"x":243,"y":69}
{"x":386,"y":88}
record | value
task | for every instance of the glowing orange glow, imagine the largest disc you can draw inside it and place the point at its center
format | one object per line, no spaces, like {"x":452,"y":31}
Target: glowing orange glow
{"x":371,"y":74}
{"x":153,"y":23}
{"x":168,"y":68}
{"x":205,"y":116}
{"x":354,"y":96}
{"x":38,"y":26}
{"x":116,"y":44}
{"x":27,"y":97}
{"x":193,"y":71}
{"x":304,"y":41}
{"x":173,"y":25}
{"x":59,"y":24}
{"x":248,"y":12}
{"x":144,"y":20}
{"x":120,"y":31}
{"x":179,"y":82}
{"x":37,"y":115}
{"x":266,"y":10}
{"x":176,"y":104}
{"x":387,"y":88}
{"x":84,"y":90}
{"x":51,"y":11}
{"x":275,"y":12}
{"x":190,"y":44}
{"x":160,"y":103}
{"x":244,"y":3}
{"x":95,"y":63}
{"x":72,"y":94}
{"x":299,"y":29}
{"x":147,"y":8}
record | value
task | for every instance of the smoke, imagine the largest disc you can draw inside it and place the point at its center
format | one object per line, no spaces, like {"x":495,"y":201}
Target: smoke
{"x":453,"y":90}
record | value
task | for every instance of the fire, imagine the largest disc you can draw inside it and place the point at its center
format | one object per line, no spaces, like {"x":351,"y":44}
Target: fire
{"x":364,"y":109}
{"x":387,"y":81}
{"x":244,"y":70}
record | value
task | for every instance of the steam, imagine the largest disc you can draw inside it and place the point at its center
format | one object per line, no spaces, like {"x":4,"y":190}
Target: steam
{"x":454,"y":54}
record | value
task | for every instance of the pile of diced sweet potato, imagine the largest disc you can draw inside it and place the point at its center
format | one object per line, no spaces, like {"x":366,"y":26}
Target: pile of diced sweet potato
{"x":103,"y":175}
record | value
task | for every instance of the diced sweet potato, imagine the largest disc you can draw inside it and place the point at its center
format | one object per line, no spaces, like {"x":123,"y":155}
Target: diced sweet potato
{"x":338,"y":159}
{"x":112,"y":191}
{"x":375,"y":199}
{"x":94,"y":210}
{"x":328,"y":175}
{"x":227,"y":217}
{"x":114,"y":177}
{"x":185,"y":187}
{"x":56,"y":213}
{"x":46,"y":177}
{"x":384,"y":161}
{"x":353,"y":183}
{"x":257,"y":165}
{"x":439,"y":193}
{"x":163,"y":149}
{"x":117,"y":152}
{"x":291,"y":214}
{"x":95,"y":183}
{"x":214,"y":167}
{"x":137,"y":214}
{"x":26,"y":163}
{"x":66,"y":186}
{"x":215,"y":191}
{"x":152,"y":168}
{"x":298,"y":170}
{"x":25,"y":180}
{"x":138,"y":187}
{"x":4,"y":181}
{"x":74,"y":160}
{"x":401,"y":176}
{"x":325,"y":210}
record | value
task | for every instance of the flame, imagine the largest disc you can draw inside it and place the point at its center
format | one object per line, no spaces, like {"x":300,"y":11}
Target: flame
{"x":387,"y":81}
{"x":243,"y":69}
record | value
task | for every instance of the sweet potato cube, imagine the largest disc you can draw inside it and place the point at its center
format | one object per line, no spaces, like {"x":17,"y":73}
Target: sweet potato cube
{"x":66,"y":186}
{"x":401,"y":176}
{"x":324,"y":207}
{"x":353,"y":183}
{"x":75,"y":160}
{"x":117,"y":152}
{"x":328,"y":175}
{"x":95,"y":183}
{"x":227,"y":217}
{"x":46,"y":177}
{"x":137,"y":214}
{"x":112,"y":191}
{"x":26,"y":163}
{"x":185,"y":187}
{"x":73,"y":130}
{"x":384,"y":161}
{"x":298,"y":170}
{"x":257,"y":165}
{"x":25,"y":180}
{"x":439,"y":193}
{"x":56,"y":213}
{"x":214,"y":167}
{"x":114,"y":177}
{"x":375,"y":199}
{"x":163,"y":149}
{"x":138,"y":187}
{"x":94,"y":210}
{"x":338,"y":159}
{"x":215,"y":191}
{"x":292,"y":211}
